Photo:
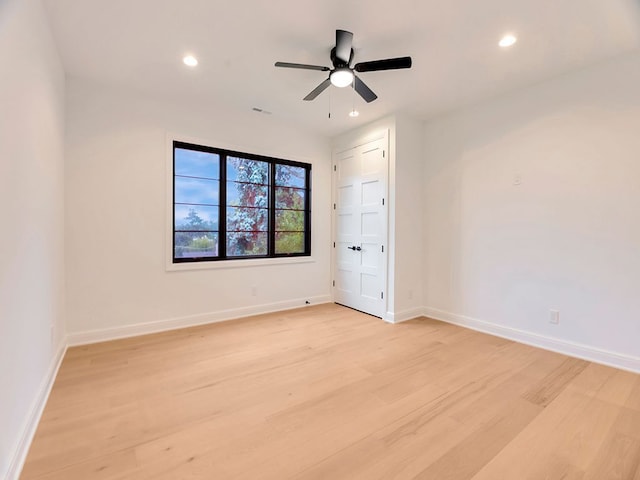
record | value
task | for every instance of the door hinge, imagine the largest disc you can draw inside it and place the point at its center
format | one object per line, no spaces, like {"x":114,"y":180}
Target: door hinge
{"x":382,"y":153}
{"x":335,"y":169}
{"x":334,"y":244}
{"x":383,"y":202}
{"x":381,"y":245}
{"x":382,"y":295}
{"x":334,"y":206}
{"x":334,"y":283}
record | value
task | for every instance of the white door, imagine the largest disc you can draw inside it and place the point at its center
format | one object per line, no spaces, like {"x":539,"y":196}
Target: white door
{"x":360,"y":227}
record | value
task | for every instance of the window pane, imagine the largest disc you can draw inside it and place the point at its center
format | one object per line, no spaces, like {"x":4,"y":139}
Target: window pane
{"x":192,"y":163}
{"x":244,"y":170}
{"x":247,"y":195}
{"x":193,"y":245}
{"x":290,"y":198}
{"x":289,"y":176}
{"x":241,"y":244}
{"x":289,"y":242}
{"x":289,"y":221}
{"x":196,"y":218}
{"x":193,"y":190}
{"x":247,"y":219}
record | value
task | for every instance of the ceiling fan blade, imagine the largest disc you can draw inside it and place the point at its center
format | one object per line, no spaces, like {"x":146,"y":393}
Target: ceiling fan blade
{"x":364,"y":91}
{"x":387,"y":64}
{"x":344,"y":41}
{"x":318,"y":90}
{"x":303,"y":66}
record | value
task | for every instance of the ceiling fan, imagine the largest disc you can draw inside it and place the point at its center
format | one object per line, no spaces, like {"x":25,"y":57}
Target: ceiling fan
{"x":342,"y":74}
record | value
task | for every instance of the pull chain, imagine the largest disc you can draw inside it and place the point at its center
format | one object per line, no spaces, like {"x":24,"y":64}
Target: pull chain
{"x":353,"y":113}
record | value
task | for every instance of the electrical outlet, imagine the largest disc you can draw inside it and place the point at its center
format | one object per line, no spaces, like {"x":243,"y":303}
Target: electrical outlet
{"x":254,"y":291}
{"x":554,"y":317}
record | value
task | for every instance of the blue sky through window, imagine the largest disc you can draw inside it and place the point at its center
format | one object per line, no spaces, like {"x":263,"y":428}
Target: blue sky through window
{"x":197,"y":191}
{"x":192,"y":163}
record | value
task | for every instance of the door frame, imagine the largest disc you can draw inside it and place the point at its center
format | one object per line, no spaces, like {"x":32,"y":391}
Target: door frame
{"x":352,"y":144}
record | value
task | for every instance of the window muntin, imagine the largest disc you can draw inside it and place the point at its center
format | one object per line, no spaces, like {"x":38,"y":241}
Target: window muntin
{"x":231,"y":205}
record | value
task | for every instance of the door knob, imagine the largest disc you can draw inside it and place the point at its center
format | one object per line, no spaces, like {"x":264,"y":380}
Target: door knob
{"x":352,"y":248}
{"x":358,"y":248}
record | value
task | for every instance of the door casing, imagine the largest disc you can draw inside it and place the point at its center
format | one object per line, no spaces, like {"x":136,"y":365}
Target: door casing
{"x":383,"y":138}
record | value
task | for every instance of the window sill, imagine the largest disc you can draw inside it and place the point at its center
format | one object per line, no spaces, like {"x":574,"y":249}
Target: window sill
{"x":226,"y":264}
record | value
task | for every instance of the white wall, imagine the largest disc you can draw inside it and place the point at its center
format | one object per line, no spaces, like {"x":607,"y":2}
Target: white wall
{"x":116,"y":152}
{"x":567,"y":237}
{"x":32,"y":212}
{"x":409,"y":238}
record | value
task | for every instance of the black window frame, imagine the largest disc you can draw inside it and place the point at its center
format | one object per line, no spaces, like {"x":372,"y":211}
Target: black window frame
{"x":222,"y":207}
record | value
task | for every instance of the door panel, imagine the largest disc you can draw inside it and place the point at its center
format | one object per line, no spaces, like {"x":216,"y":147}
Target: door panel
{"x":371,"y":192}
{"x":360,"y":227}
{"x":370,"y":257}
{"x":347,"y":225}
{"x":369,"y":286}
{"x":370,"y":224}
{"x":345,"y":196}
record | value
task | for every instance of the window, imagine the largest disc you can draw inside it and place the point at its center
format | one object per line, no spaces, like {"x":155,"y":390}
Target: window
{"x":231,"y":205}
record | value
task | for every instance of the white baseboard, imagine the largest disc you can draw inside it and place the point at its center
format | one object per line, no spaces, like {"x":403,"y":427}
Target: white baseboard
{"x":404,"y":315}
{"x":103,"y":335}
{"x":585,"y":352}
{"x":35,"y":413}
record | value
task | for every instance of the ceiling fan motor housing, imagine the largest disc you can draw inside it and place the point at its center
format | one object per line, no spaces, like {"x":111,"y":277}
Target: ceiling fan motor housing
{"x":338,"y":63}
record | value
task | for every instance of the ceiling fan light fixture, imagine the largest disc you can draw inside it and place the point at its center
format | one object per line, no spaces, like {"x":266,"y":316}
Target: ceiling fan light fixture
{"x":341,"y":77}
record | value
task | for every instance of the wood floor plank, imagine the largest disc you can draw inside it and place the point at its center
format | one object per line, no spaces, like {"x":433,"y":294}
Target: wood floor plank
{"x":569,"y":432}
{"x":408,"y":446}
{"x":328,"y":392}
{"x":555,"y":382}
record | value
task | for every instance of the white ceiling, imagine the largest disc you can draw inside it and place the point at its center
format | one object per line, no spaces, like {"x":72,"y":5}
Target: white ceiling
{"x":139,"y":44}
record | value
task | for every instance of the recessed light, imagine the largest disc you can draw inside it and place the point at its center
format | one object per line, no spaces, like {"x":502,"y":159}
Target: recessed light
{"x":190,"y":61}
{"x":507,"y":41}
{"x":354,"y":113}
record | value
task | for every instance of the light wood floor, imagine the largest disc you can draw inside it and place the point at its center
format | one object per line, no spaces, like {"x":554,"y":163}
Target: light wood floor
{"x":329,"y":393}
